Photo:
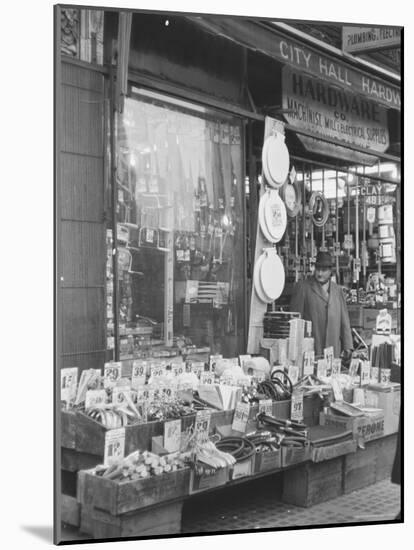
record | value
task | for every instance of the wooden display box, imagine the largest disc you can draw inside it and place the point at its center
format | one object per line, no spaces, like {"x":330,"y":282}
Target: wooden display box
{"x":328,"y":452}
{"x":268,"y":461}
{"x":118,"y":498}
{"x":204,"y":482}
{"x":311,"y":483}
{"x":360,"y":467}
{"x":164,"y":519}
{"x":388,"y":399}
{"x":295,"y":455}
{"x":366,"y":428}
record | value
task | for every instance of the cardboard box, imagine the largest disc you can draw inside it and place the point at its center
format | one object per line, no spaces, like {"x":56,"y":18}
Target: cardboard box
{"x":267,"y":461}
{"x":244,"y":468}
{"x":387,"y":398}
{"x":328,"y":452}
{"x":365,"y":427}
{"x":295,"y":455}
{"x":205,"y":482}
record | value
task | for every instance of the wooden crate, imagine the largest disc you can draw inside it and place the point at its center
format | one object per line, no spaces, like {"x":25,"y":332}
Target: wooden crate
{"x":360,"y":467}
{"x":164,"y":519}
{"x":70,"y":510}
{"x":311,"y":483}
{"x":386,"y":450}
{"x":295,"y":455}
{"x":204,"y":482}
{"x":119,"y":498}
{"x":329,"y":452}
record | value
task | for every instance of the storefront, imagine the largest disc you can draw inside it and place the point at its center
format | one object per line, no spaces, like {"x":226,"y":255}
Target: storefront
{"x":174,"y":131}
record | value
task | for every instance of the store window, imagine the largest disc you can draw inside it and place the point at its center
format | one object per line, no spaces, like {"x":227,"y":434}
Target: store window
{"x":180,"y":230}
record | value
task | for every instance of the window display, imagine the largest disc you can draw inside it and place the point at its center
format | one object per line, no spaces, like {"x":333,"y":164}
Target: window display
{"x":180,"y":244}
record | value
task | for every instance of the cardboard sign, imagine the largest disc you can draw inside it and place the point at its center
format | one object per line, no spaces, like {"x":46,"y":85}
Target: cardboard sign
{"x":365,"y":373}
{"x":375,"y":375}
{"x":213,"y":361}
{"x":68,"y":384}
{"x":354,"y":367}
{"x":322,"y":368}
{"x":178,"y":368}
{"x":139,"y":373}
{"x":202,"y":424}
{"x":265,"y":406}
{"x":114,"y":446}
{"x":308,"y":362}
{"x":112,"y":373}
{"x":172,"y":435}
{"x":118,"y":395}
{"x":207,"y":378}
{"x":148,"y":393}
{"x":95,"y":398}
{"x":328,"y":354}
{"x":157,"y":370}
{"x":336,"y":368}
{"x":241,"y":416}
{"x":197,"y":367}
{"x":296,"y":410}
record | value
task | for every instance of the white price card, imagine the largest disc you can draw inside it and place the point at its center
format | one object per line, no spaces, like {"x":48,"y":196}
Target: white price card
{"x":202,"y":424}
{"x":114,"y":446}
{"x":112,"y":373}
{"x":172,"y":435}
{"x":213,"y":361}
{"x":365,"y":373}
{"x":336,"y":367}
{"x":296,"y":410}
{"x":308,"y":362}
{"x":337,"y":390}
{"x":385,"y":376}
{"x":265,"y":406}
{"x":241,"y":416}
{"x":197,"y":367}
{"x":354,"y":367}
{"x":139,"y":372}
{"x":157,"y":370}
{"x":243,"y":359}
{"x":148,"y":393}
{"x":293,"y":373}
{"x":68,"y":384}
{"x":207,"y":378}
{"x":95,"y":398}
{"x":328,"y":354}
{"x":118,"y":395}
{"x":322,"y":368}
{"x":177,"y":368}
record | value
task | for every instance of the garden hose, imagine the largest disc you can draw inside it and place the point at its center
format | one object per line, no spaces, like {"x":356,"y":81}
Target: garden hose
{"x":240,"y":448}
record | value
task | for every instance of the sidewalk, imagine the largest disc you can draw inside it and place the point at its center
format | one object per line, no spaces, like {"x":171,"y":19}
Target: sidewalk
{"x":259,"y":508}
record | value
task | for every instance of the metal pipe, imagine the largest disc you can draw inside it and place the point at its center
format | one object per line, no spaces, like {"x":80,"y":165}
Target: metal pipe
{"x":114,"y":188}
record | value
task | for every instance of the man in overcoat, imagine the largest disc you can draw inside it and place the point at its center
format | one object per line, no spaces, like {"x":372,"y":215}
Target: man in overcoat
{"x":320,"y":300}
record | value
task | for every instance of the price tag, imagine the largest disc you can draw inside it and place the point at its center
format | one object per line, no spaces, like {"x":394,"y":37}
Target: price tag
{"x":336,"y":367}
{"x":95,"y":399}
{"x":149,"y":393}
{"x":177,"y":368}
{"x":207,"y":378}
{"x":139,"y":372}
{"x":375,"y":375}
{"x":168,"y":392}
{"x":321,"y":369}
{"x":242,"y":469}
{"x":68,"y":384}
{"x":293,"y":373}
{"x":197,"y":367}
{"x":114,"y":446}
{"x":365,"y":373}
{"x":213,"y":361}
{"x":112,"y":373}
{"x":385,"y":376}
{"x":296,"y":410}
{"x":157,"y":370}
{"x":337,"y":390}
{"x":172,"y":435}
{"x":308,"y":362}
{"x":265,"y":406}
{"x":118,"y":395}
{"x":202,"y":424}
{"x":354,"y":367}
{"x":241,"y":416}
{"x":328,"y":354}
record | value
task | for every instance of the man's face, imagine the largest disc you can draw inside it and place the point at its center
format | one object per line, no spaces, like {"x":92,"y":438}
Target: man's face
{"x":322,"y":274}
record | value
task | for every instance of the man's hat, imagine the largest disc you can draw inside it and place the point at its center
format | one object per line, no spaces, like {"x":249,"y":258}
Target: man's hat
{"x":323,"y":260}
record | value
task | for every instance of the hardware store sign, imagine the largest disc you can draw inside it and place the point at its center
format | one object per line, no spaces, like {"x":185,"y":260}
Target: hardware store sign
{"x":364,"y":39}
{"x":333,"y":113}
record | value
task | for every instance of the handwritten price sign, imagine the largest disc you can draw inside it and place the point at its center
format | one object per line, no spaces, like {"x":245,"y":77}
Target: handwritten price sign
{"x":202,"y":425}
{"x":95,"y":398}
{"x":241,"y":416}
{"x":207,"y":378}
{"x":112,"y":373}
{"x":296,"y":411}
{"x":308,"y":362}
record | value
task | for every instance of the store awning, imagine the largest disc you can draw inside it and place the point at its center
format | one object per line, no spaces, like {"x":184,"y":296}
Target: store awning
{"x":315,"y":61}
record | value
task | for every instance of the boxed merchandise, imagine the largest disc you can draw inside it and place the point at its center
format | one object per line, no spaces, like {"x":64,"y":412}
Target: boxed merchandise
{"x":388,"y":398}
{"x":203,"y":482}
{"x":244,"y":468}
{"x":367,"y":427}
{"x":269,"y":460}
